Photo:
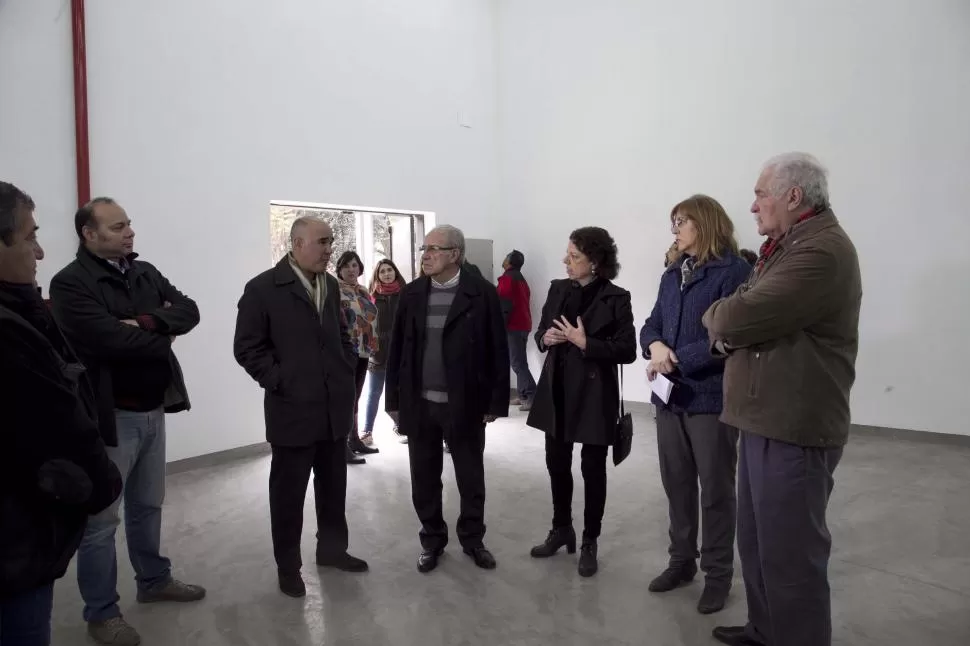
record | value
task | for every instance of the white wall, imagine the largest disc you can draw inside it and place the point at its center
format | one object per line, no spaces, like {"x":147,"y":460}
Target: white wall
{"x":613,"y":111}
{"x":202,"y":112}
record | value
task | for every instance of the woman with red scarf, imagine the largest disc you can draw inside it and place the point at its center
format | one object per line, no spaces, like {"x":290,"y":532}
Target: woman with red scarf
{"x":385,"y":287}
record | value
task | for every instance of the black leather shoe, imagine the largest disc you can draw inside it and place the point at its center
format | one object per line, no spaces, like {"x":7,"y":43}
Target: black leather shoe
{"x":359,"y":447}
{"x":674,"y":577}
{"x":558,"y":537}
{"x":292,"y":585}
{"x":482,"y":557}
{"x":343,"y":562}
{"x":734,"y":636}
{"x":352,"y":457}
{"x":587,"y":558}
{"x":713,"y":598}
{"x":428,"y":560}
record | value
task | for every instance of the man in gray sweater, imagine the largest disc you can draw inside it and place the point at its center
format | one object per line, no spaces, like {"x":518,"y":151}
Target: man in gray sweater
{"x":447,"y":377}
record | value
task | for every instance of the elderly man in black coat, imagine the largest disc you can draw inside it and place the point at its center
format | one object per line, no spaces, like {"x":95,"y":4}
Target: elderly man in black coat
{"x":447,"y":377}
{"x":292,"y":338}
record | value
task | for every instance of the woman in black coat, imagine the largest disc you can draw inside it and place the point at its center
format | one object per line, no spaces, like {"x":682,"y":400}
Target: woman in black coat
{"x":587,"y":329}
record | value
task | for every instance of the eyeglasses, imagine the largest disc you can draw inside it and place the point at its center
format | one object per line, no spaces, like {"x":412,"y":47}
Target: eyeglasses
{"x":678,"y":222}
{"x":433,"y":248}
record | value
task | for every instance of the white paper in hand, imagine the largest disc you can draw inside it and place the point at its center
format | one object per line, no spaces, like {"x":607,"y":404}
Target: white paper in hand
{"x":661,"y":387}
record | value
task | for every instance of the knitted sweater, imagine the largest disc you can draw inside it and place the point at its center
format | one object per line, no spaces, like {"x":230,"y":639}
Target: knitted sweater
{"x":676,"y":321}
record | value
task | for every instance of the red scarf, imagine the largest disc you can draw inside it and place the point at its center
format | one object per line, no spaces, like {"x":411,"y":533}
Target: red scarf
{"x":386,"y":289}
{"x":769,"y":246}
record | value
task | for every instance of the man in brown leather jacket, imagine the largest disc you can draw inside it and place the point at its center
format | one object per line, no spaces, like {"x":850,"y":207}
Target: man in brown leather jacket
{"x":791,"y":335}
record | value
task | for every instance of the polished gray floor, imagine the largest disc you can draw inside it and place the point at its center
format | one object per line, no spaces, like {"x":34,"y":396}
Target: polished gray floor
{"x":900,"y":519}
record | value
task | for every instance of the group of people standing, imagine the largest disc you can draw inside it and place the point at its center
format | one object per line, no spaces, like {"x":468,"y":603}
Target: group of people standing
{"x":761,"y":357}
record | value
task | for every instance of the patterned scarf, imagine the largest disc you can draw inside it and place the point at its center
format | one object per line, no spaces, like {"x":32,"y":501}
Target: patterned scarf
{"x":361,"y":314}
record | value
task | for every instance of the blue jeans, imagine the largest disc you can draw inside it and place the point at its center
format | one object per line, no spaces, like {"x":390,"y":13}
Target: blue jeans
{"x":140,"y":457}
{"x":525,"y":384}
{"x":25,"y":620}
{"x":375,"y":388}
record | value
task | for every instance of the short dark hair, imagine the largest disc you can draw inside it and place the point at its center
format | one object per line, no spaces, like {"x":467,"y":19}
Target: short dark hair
{"x":346,"y":258}
{"x":516,"y":259}
{"x":12,"y":202}
{"x":598,"y":245}
{"x":750,"y":256}
{"x":84,"y":216}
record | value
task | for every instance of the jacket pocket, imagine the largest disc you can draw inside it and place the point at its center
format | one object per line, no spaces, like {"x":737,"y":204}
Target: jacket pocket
{"x":754,"y":372}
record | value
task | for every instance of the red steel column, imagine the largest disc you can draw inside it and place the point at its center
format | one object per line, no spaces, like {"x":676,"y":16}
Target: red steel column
{"x":81,"y":103}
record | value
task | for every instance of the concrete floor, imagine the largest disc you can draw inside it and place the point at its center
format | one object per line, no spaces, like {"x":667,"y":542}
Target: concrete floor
{"x":900,"y":519}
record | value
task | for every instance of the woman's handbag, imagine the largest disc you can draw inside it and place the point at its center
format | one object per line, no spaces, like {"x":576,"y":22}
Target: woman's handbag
{"x":624,"y":430}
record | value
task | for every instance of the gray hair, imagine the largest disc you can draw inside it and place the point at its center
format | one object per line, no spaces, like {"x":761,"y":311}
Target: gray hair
{"x":455,"y":239}
{"x":801,"y":170}
{"x":300,"y":223}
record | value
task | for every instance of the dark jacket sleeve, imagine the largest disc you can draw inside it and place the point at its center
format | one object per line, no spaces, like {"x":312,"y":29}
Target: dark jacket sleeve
{"x":178,"y":318}
{"x":392,"y":378}
{"x":87,"y":324}
{"x":48,"y":423}
{"x":498,"y":343}
{"x":545,"y":321}
{"x":696,"y":356}
{"x":621,"y":347}
{"x":252,"y":345}
{"x":652,"y":330}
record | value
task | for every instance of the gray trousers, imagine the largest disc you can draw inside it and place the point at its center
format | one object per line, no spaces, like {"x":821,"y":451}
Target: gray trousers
{"x":700,"y":448}
{"x":783,"y":541}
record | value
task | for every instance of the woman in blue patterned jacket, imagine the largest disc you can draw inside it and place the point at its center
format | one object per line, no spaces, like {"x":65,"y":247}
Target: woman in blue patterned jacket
{"x":693,"y":444}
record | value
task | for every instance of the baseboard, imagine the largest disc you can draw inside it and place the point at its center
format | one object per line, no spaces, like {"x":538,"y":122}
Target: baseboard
{"x":218,"y":458}
{"x":906,"y":435}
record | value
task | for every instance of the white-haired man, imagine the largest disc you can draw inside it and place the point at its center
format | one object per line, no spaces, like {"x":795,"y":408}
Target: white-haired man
{"x":292,"y":338}
{"x":791,"y":334}
{"x":447,"y":377}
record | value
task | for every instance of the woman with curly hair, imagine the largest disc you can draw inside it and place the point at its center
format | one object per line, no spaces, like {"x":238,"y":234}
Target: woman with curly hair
{"x":587,"y":331}
{"x":361,"y":315}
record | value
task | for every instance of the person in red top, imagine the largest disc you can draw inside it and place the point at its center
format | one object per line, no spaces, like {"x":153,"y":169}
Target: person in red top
{"x":514,"y":293}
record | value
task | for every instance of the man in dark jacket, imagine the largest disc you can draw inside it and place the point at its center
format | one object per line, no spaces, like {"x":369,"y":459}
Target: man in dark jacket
{"x":513,"y":291}
{"x":447,"y":377}
{"x":122,"y":315}
{"x":791,"y":333}
{"x":54,"y":470}
{"x":292,"y":338}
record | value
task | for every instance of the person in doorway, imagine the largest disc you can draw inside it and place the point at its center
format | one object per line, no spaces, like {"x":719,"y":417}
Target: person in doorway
{"x":385,"y":288}
{"x":447,"y":378}
{"x":54,"y":470}
{"x":791,"y":335}
{"x":361,"y":314}
{"x":693,"y":444}
{"x":123,"y":316}
{"x":513,"y":290}
{"x":292,"y":338}
{"x":587,"y":330}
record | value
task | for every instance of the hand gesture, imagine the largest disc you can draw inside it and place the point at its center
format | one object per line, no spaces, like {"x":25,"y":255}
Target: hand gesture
{"x":575,"y":335}
{"x":553,"y":336}
{"x":663,"y":360}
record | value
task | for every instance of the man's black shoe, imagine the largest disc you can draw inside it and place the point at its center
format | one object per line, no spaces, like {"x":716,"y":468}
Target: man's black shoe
{"x":292,"y":585}
{"x":482,"y":557}
{"x":734,"y":636}
{"x":428,"y":560}
{"x":344,"y":562}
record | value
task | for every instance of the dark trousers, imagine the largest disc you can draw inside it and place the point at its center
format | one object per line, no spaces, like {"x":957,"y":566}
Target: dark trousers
{"x":360,"y":376}
{"x":427,"y":460}
{"x":559,"y":462}
{"x":25,"y":620}
{"x":700,"y":448}
{"x":288,"y":478}
{"x":783,"y":541}
{"x":518,"y":359}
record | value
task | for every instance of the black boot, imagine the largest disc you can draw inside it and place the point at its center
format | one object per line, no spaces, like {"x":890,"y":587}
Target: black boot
{"x":673,"y":577}
{"x":558,"y":536}
{"x":358,"y":447}
{"x":352,"y":457}
{"x":587,"y":558}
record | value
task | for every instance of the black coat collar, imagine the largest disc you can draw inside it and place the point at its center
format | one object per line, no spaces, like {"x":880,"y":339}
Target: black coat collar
{"x":101,"y":268}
